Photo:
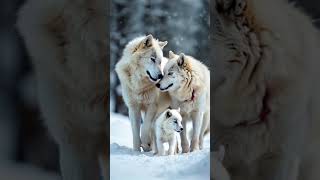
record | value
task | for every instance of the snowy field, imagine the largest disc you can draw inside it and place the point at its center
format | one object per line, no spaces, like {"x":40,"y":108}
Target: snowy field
{"x":126,"y":164}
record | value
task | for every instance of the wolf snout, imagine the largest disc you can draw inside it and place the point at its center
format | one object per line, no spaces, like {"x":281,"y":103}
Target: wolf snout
{"x":181,"y":129}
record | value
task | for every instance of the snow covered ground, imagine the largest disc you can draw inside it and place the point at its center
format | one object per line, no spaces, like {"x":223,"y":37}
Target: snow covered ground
{"x":125,"y":164}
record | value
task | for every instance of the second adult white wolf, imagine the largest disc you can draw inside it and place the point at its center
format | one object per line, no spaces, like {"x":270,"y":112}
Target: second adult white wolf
{"x":188,"y":82}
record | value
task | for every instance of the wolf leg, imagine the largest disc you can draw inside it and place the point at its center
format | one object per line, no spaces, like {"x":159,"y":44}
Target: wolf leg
{"x":147,"y":127}
{"x":78,"y":164}
{"x":184,"y":139}
{"x":280,"y":167}
{"x":161,"y":151}
{"x":197,"y":118}
{"x":172,"y":146}
{"x":135,"y":116}
{"x":204,"y":127}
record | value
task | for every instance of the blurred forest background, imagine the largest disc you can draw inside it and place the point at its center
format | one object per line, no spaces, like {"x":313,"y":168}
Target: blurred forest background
{"x":26,"y":149}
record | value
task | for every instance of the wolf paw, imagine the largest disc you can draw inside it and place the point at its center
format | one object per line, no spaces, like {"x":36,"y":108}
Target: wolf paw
{"x":194,"y":145}
{"x":146,"y":147}
{"x":185,"y":149}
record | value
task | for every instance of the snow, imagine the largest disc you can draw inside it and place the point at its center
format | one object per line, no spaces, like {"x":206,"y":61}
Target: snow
{"x":128,"y":164}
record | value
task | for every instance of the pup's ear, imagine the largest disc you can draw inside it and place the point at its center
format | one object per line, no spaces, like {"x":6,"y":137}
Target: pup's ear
{"x":231,"y":7}
{"x":181,"y":59}
{"x":147,"y":42}
{"x":171,"y":54}
{"x":168,"y":114}
{"x":162,"y":44}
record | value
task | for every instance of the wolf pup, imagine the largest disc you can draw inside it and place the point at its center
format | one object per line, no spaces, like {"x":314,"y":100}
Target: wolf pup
{"x":188,"y":82}
{"x":140,"y":67}
{"x":166,"y":127}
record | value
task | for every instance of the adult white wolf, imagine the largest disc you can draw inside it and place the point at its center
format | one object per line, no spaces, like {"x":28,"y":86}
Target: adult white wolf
{"x":67,"y":42}
{"x":266,"y":113}
{"x":188,"y":82}
{"x":139,"y":68}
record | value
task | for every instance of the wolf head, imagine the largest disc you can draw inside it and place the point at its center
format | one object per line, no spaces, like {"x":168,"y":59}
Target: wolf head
{"x":147,"y":55}
{"x":176,"y":72}
{"x":238,"y":83}
{"x":173,"y":120}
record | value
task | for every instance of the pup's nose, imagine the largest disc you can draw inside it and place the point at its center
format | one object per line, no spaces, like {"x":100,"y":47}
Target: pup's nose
{"x":158,"y":85}
{"x":181,"y":129}
{"x":160,"y":76}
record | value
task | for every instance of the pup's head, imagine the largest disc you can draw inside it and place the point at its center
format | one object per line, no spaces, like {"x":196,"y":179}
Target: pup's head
{"x":176,"y":72}
{"x":148,"y":56}
{"x":173,"y":120}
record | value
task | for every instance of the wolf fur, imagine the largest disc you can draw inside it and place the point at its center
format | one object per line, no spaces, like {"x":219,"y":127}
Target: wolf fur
{"x":218,"y":172}
{"x":188,"y":82}
{"x":166,"y":129}
{"x":266,"y":59}
{"x":139,"y":68}
{"x":67,"y":43}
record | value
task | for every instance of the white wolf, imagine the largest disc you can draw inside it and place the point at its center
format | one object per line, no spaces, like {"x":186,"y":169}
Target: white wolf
{"x":166,"y":127}
{"x":67,"y":42}
{"x":266,"y":58}
{"x":139,"y":68}
{"x":188,"y":82}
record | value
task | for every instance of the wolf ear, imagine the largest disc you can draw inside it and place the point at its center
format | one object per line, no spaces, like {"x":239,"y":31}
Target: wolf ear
{"x":181,"y":59}
{"x":171,"y":54}
{"x":169,"y":107}
{"x":235,"y":7}
{"x":147,"y":42}
{"x":162,"y":44}
{"x":168,"y":114}
{"x":178,"y":109}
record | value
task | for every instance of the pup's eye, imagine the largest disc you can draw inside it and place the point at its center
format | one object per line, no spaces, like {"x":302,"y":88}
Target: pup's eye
{"x":170,"y":73}
{"x":175,"y":121}
{"x":153,"y":59}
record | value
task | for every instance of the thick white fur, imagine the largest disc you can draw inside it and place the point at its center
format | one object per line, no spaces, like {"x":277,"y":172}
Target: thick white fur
{"x":138,"y":90}
{"x":166,"y":130}
{"x":67,"y":43}
{"x":191,"y":77}
{"x":285,"y":53}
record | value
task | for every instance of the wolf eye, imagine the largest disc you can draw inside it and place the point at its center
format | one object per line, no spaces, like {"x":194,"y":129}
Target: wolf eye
{"x":170,"y":73}
{"x":175,"y":121}
{"x":153,"y":59}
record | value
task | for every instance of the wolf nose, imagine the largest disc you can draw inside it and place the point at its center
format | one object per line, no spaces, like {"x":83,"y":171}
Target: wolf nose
{"x":158,"y":85}
{"x":160,"y":76}
{"x":181,"y":129}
